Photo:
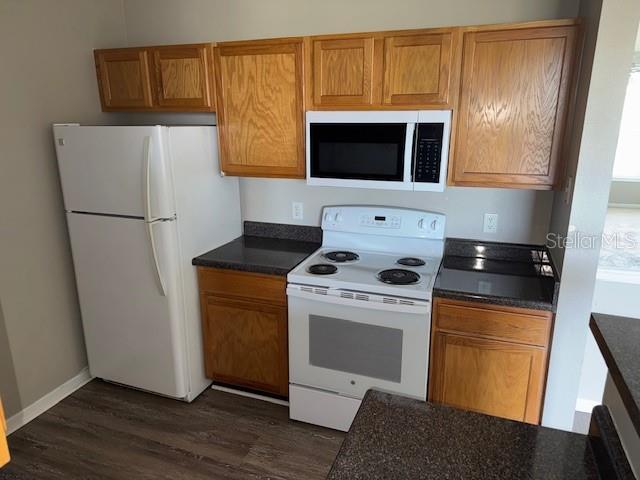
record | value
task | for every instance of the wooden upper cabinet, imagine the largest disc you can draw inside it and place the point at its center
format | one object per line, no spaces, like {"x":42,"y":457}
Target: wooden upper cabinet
{"x":183,"y":76}
{"x":406,"y":69}
{"x":343,"y":71}
{"x":418,"y":69}
{"x":260,"y":107}
{"x":513,"y":104}
{"x":123,"y":79}
{"x":169,"y":78}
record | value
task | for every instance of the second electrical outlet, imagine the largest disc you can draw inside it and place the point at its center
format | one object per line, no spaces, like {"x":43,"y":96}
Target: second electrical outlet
{"x":490,"y":223}
{"x":297,"y":210}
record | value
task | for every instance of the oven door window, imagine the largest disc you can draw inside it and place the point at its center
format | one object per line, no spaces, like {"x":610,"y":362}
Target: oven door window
{"x":359,"y":348}
{"x":358,"y":151}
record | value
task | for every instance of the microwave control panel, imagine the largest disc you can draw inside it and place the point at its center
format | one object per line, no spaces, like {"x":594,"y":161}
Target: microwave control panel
{"x":428,"y":152}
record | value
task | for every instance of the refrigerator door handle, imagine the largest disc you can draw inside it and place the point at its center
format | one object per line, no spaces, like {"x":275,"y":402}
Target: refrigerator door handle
{"x":154,"y":254}
{"x":146,"y":182}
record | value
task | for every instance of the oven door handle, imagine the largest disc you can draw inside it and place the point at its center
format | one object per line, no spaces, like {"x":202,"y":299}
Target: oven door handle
{"x":422,"y":308}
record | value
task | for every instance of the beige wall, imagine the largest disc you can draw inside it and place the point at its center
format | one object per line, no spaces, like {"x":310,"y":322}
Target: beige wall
{"x":610,"y":28}
{"x":9,"y":393}
{"x":47,"y":76}
{"x":523,"y":215}
{"x":175,"y":21}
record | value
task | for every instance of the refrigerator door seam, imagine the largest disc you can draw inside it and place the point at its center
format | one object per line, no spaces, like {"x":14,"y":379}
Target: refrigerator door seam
{"x":113,"y":215}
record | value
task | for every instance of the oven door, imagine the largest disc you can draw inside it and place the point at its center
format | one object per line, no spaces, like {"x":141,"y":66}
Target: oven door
{"x":347,"y":346}
{"x":360,"y":149}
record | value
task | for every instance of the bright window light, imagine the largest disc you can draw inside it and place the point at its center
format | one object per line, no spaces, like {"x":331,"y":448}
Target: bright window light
{"x":627,"y":162}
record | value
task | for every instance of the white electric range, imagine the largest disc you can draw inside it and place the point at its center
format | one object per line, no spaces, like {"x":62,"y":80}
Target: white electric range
{"x":360,"y":311}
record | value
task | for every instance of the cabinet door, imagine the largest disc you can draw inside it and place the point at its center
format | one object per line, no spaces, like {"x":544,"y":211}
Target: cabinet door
{"x":123,"y":79}
{"x":417,"y":69}
{"x":512,"y":109}
{"x":342,"y":71}
{"x":259,"y":88}
{"x":183,"y":77}
{"x":245,"y":344}
{"x":488,"y":376}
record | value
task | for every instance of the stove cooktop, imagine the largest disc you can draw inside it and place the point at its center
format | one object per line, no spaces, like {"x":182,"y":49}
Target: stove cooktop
{"x":372,"y":272}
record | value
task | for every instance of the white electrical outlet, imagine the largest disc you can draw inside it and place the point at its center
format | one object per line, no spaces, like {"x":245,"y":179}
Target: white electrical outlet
{"x":490,"y":223}
{"x":297,"y":210}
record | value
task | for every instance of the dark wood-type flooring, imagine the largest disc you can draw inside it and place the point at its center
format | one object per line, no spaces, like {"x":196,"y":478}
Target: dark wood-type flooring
{"x":111,"y":432}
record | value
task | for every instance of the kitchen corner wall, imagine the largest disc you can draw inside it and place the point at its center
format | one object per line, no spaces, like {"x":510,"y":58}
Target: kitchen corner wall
{"x":523,"y":215}
{"x":47,"y":76}
{"x":610,"y":28}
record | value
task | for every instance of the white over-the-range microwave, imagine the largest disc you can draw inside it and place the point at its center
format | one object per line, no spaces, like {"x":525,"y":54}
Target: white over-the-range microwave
{"x":394,"y":150}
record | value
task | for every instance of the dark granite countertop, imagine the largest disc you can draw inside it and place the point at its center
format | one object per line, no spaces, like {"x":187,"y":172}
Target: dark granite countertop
{"x":497,"y":273}
{"x":393,"y":437}
{"x":268,"y":248}
{"x":619,"y":341}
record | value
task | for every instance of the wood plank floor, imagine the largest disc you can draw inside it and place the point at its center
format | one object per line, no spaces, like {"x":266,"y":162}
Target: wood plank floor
{"x":104,"y":431}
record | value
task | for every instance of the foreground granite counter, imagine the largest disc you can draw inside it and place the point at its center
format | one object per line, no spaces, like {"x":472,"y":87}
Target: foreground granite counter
{"x":619,"y":341}
{"x":497,"y":273}
{"x":393,"y":437}
{"x":273,"y":249}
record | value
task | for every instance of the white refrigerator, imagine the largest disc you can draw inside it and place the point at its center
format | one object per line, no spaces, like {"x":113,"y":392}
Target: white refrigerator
{"x":141,"y":202}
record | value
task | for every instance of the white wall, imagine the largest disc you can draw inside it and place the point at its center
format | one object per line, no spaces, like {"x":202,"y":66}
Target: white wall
{"x":600,"y":98}
{"x":523,"y":215}
{"x":47,"y":76}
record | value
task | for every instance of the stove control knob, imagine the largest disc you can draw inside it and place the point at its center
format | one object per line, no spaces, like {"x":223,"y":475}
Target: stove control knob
{"x":434,"y":225}
{"x":327,"y":217}
{"x":422,"y":224}
{"x":338,"y":217}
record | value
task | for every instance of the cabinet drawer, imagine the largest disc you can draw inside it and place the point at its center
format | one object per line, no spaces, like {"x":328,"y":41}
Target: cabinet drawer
{"x":487,"y":321}
{"x":248,"y":285}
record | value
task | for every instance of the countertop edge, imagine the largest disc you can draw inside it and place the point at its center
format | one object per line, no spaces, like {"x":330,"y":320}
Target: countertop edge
{"x":633,"y":409}
{"x":242,"y":267}
{"x":491,"y":300}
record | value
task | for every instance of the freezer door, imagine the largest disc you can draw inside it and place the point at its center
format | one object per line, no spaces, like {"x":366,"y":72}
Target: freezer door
{"x":130,"y":301}
{"x":115,"y":170}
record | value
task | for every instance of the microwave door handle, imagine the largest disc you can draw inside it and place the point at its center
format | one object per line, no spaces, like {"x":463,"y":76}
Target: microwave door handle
{"x":410,"y":155}
{"x":409,"y":148}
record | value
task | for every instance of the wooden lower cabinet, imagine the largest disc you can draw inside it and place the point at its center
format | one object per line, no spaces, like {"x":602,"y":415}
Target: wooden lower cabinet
{"x":499,"y":370}
{"x":4,"y":449}
{"x":245,"y":336}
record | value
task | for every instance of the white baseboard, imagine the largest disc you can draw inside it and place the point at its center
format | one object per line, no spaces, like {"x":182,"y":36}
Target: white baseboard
{"x":264,"y":398}
{"x":43,"y":404}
